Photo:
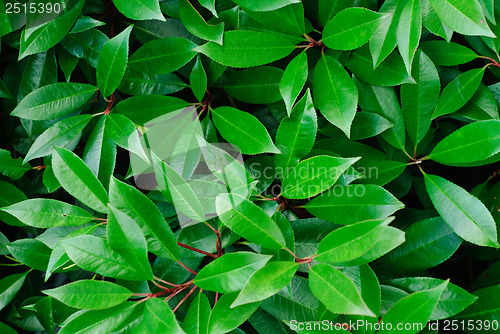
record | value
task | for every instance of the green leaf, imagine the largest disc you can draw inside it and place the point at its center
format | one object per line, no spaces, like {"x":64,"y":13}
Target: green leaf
{"x":448,"y":54}
{"x":85,"y":23}
{"x":264,"y":6}
{"x":196,"y":24}
{"x":432,"y":22}
{"x":230,"y":272}
{"x":456,"y":94}
{"x":53,"y":101}
{"x":350,"y":242}
{"x":126,"y":238}
{"x":293,"y":80}
{"x":296,"y":135}
{"x":354,"y":203}
{"x":144,"y":83}
{"x":471,"y":143}
{"x":4,"y":92}
{"x":428,"y":243}
{"x":78,"y":180}
{"x":482,"y":105}
{"x":409,"y":31}
{"x":89,"y":294}
{"x":151,"y":106}
{"x":86,"y":45}
{"x":197,"y":315}
{"x":162,"y":55}
{"x":484,"y":310}
{"x":140,"y":9}
{"x":113,"y":62}
{"x":133,"y":203}
{"x":224,"y":319}
{"x":464,"y":213}
{"x":351,"y":28}
{"x":210,"y":5}
{"x":184,"y":199}
{"x":159,"y":318}
{"x":9,"y":286}
{"x":49,"y":34}
{"x":336,"y":291}
{"x":416,"y":308}
{"x":245,"y":48}
{"x":335,"y":94}
{"x":41,"y":70}
{"x":266,"y":282}
{"x":419,"y":100}
{"x":258,"y":85}
{"x":65,"y":133}
{"x":45,"y":314}
{"x":379,"y":172}
{"x":68,"y":63}
{"x":327,"y":9}
{"x":243,"y":130}
{"x":45,"y":213}
{"x":12,"y":168}
{"x":314,"y":175}
{"x":9,"y":195}
{"x":367,"y":124}
{"x":288,"y":20}
{"x":248,"y":220}
{"x":94,"y":254}
{"x":464,"y":17}
{"x":124,"y":133}
{"x":31,"y":252}
{"x":198,"y":80}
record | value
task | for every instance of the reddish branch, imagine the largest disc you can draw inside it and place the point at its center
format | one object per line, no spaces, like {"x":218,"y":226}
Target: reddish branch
{"x":196,"y":250}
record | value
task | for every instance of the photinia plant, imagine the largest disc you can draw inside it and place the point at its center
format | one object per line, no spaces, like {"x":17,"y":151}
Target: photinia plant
{"x":246,"y":166}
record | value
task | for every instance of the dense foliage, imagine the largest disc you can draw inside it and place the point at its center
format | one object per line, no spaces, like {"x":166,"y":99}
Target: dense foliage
{"x":247,"y":166}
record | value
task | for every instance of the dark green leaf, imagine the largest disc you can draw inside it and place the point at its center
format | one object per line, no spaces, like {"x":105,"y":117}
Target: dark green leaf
{"x":9,"y":286}
{"x":140,"y":9}
{"x":448,"y":54}
{"x":224,"y":319}
{"x":259,"y":85}
{"x":12,"y":168}
{"x":196,"y":24}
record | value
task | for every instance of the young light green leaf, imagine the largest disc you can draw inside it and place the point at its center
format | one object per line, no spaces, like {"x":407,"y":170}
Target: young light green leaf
{"x":9,"y":286}
{"x":471,"y":143}
{"x":140,"y":9}
{"x":354,"y":203}
{"x":335,"y":94}
{"x":248,"y":220}
{"x":113,"y":62}
{"x":126,"y":238}
{"x":351,"y":28}
{"x":314,"y":175}
{"x":464,"y":17}
{"x":163,"y":55}
{"x":266,"y":282}
{"x":78,"y":180}
{"x":456,"y":94}
{"x":465,"y":214}
{"x":12,"y":168}
{"x":230,"y":272}
{"x":65,"y":133}
{"x":245,"y":48}
{"x":337,"y":291}
{"x":243,"y":130}
{"x":409,"y":31}
{"x":445,"y":53}
{"x":293,"y":80}
{"x":198,"y":80}
{"x":129,"y":200}
{"x":45,"y":213}
{"x":258,"y":85}
{"x":159,"y":318}
{"x":124,"y":133}
{"x":197,"y":315}
{"x":90,"y":294}
{"x":224,"y":319}
{"x":53,"y":101}
{"x":432,"y":22}
{"x":196,"y":24}
{"x":264,"y":6}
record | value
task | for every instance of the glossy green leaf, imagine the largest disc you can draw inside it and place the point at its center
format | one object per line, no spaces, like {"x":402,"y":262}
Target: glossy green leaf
{"x":9,"y":286}
{"x":113,"y":62}
{"x":249,"y":221}
{"x":210,"y":5}
{"x":258,"y":85}
{"x":89,"y":294}
{"x":293,"y":80}
{"x":447,"y":54}
{"x":245,"y":48}
{"x":243,"y":130}
{"x":482,"y":106}
{"x":314,"y":175}
{"x":327,"y":9}
{"x":65,"y":133}
{"x":224,"y":319}
{"x":140,"y":9}
{"x":133,"y":203}
{"x":12,"y":168}
{"x":162,"y":55}
{"x":419,"y":100}
{"x":144,"y":83}
{"x":485,"y":310}
{"x":41,"y":70}
{"x":354,"y":203}
{"x":464,"y":17}
{"x":9,"y":195}
{"x":152,"y":106}
{"x":456,"y":94}
{"x":159,"y":318}
{"x":86,"y":45}
{"x":126,"y":238}
{"x":196,"y":320}
{"x":45,"y":213}
{"x":198,"y":80}
{"x":351,"y":28}
{"x":288,"y":20}
{"x":432,"y":22}
{"x":31,"y":252}
{"x":78,"y":180}
{"x":367,"y":124}
{"x":124,"y":133}
{"x":336,"y":291}
{"x":85,"y":23}
{"x":264,"y":6}
{"x":471,"y":143}
{"x":465,"y":214}
{"x":379,"y":172}
{"x":335,"y":94}
{"x":230,"y":272}
{"x":196,"y":24}
{"x":53,"y":101}
{"x":409,"y":31}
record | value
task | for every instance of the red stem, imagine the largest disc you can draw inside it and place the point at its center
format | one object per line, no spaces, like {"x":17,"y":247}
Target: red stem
{"x":185,"y":267}
{"x":196,"y":250}
{"x":185,"y":297}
